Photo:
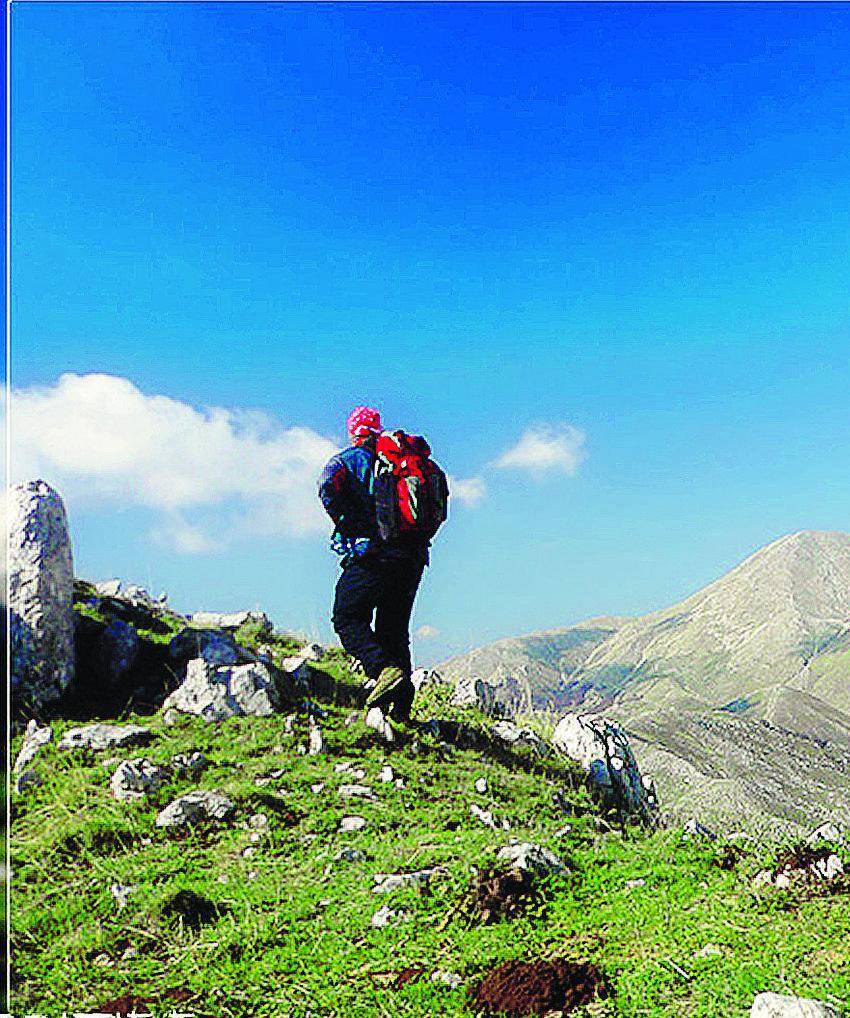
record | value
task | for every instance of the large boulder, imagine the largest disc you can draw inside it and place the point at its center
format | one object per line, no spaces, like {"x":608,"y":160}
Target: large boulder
{"x":218,"y":692}
{"x":777,"y":1005}
{"x":105,"y":736}
{"x":195,"y":807}
{"x":501,"y":696}
{"x":41,"y":583}
{"x":602,"y":748}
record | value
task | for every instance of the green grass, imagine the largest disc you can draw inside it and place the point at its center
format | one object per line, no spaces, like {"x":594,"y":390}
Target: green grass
{"x":297,"y":940}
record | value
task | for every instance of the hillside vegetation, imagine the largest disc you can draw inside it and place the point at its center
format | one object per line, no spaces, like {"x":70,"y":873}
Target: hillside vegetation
{"x":269,"y":912}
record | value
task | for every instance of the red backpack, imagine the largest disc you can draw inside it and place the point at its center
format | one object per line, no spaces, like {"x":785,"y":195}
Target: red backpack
{"x":411,"y":491}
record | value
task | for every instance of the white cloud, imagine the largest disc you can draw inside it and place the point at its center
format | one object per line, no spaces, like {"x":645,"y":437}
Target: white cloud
{"x":546,"y":447}
{"x":469,"y":491}
{"x":100,"y":440}
{"x":426,"y":632}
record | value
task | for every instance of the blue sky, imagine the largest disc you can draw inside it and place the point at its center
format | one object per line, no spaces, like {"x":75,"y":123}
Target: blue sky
{"x":621,"y":228}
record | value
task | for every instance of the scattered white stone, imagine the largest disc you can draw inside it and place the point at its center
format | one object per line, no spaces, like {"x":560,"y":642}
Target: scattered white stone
{"x":484,"y":815}
{"x":562,"y":832}
{"x":254,"y":836}
{"x":710,"y":951}
{"x":189,"y":765}
{"x":385,"y":774}
{"x":387,"y":883}
{"x":318,"y":788}
{"x":399,"y":783}
{"x":529,"y":856}
{"x":631,"y":884}
{"x":376,"y":720}
{"x":253,"y":874}
{"x":316,"y":744}
{"x":349,"y":824}
{"x":481,"y":786}
{"x":386,"y":916}
{"x":312,"y":651}
{"x":342,"y":767}
{"x":130,"y":953}
{"x":231,"y":620}
{"x":171,"y":716}
{"x":834,"y":832}
{"x":358,"y":774}
{"x":107,"y":588}
{"x":195,"y":806}
{"x":775,"y":1005}
{"x":829,"y":868}
{"x":134,"y":779}
{"x":259,"y":821}
{"x":421,"y":677}
{"x":451,"y":979}
{"x":103,"y":736}
{"x":248,"y":852}
{"x":356,"y":791}
{"x":121,"y":892}
{"x":512,"y":735}
{"x":35,"y":737}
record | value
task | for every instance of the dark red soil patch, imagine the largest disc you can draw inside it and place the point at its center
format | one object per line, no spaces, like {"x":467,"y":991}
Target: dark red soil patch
{"x":128,"y":1003}
{"x":519,"y":988}
{"x":395,"y":980}
{"x":502,"y":894}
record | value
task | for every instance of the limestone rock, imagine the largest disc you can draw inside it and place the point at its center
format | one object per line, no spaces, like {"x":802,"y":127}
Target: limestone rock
{"x":35,"y":737}
{"x":41,"y":583}
{"x":134,"y":779}
{"x":387,"y":883}
{"x":215,"y":693}
{"x":775,"y":1005}
{"x":602,"y":748}
{"x":422,"y":677}
{"x":515,"y":737}
{"x":107,"y":588}
{"x":348,"y":825}
{"x":188,"y":765}
{"x":193,"y":807}
{"x":532,"y":857}
{"x":377,"y":720}
{"x":104,"y":736}
{"x":232,"y":620}
{"x":500,"y":695}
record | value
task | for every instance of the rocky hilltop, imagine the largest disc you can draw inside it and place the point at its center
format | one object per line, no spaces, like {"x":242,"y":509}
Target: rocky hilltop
{"x":739,"y":695}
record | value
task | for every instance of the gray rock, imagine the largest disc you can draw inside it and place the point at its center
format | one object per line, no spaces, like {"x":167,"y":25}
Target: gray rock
{"x":188,"y":765}
{"x":532,"y":857}
{"x":41,"y":581}
{"x":35,"y":737}
{"x":107,"y":588}
{"x":349,"y":825}
{"x":312,"y":652}
{"x":194,"y":807}
{"x":356,"y":791}
{"x":834,"y":831}
{"x":499,"y":695}
{"x":387,"y":883}
{"x":515,"y":737}
{"x":134,"y":779}
{"x":171,"y":716}
{"x":27,"y":779}
{"x":316,"y":744}
{"x":775,"y":1005}
{"x":422,"y":677}
{"x":121,"y":892}
{"x":601,"y":747}
{"x":104,"y":736}
{"x":232,"y":620}
{"x":386,"y":916}
{"x":378,"y":722}
{"x":215,"y":693}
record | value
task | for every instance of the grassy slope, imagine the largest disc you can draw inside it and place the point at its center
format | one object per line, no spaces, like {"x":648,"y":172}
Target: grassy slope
{"x":297,"y":939}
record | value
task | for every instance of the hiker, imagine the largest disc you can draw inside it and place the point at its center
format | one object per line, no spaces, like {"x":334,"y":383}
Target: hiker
{"x":386,"y":498}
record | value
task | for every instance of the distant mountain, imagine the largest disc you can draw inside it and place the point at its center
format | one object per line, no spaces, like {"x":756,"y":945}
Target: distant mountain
{"x":740,"y":693}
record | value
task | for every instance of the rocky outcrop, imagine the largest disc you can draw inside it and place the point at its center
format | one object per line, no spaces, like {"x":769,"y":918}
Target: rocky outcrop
{"x":194,"y":807}
{"x":41,"y":581}
{"x":776,"y":1005}
{"x":35,"y":736}
{"x":602,"y":748}
{"x":216,"y":648}
{"x":503,"y":696}
{"x":101,"y":736}
{"x":216,"y":693}
{"x":232,"y":620}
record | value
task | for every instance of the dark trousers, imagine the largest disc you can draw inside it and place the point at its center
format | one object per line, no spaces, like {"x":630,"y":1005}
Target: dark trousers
{"x":385,"y":588}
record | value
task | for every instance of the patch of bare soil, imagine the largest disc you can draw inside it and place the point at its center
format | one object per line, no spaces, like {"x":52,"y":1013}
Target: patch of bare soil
{"x":503,"y":894}
{"x":192,"y":909}
{"x":518,"y":988}
{"x":129,"y":1003}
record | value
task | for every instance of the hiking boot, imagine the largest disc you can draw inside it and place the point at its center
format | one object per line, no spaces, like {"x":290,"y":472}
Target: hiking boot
{"x":388,"y":681}
{"x":402,"y":701}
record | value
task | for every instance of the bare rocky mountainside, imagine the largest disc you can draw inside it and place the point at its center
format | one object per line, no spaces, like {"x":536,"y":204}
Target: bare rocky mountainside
{"x":737,"y":699}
